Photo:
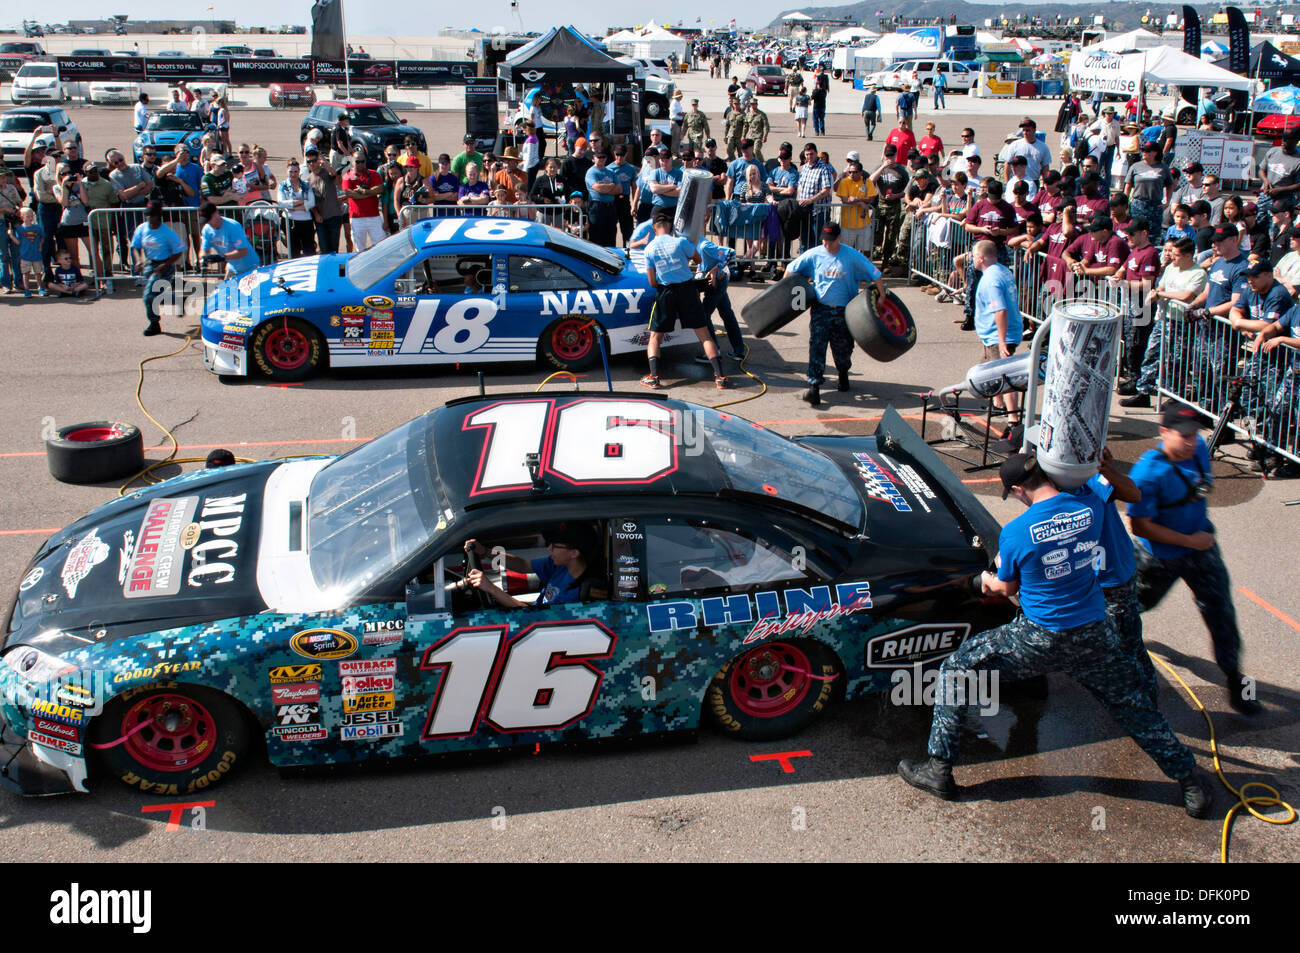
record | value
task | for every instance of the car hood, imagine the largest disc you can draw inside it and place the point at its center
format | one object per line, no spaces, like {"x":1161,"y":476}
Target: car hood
{"x":182,"y":552}
{"x":384,"y":132}
{"x":286,"y":288}
{"x":169,"y":137}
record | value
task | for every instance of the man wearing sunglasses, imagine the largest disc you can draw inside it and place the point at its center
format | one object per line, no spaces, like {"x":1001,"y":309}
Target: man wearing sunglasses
{"x":560,"y":577}
{"x":327,"y":211}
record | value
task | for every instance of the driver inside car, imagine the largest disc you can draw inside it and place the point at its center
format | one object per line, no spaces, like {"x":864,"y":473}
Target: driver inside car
{"x":564,"y":576}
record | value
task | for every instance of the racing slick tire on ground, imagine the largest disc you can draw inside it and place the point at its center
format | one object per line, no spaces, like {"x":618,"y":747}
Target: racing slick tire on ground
{"x":778,"y":305}
{"x":881,"y":325}
{"x":287,"y":349}
{"x":773,"y":690}
{"x":95,"y":452}
{"x":179,"y":738}
{"x":571,"y":343}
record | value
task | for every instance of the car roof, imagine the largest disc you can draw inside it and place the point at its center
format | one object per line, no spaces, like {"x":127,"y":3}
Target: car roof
{"x":32,"y":110}
{"x":348,"y":102}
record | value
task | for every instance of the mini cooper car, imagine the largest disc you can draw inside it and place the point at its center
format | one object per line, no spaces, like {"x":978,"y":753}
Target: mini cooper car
{"x":169,"y":131}
{"x":747,"y":578}
{"x":443,"y":291}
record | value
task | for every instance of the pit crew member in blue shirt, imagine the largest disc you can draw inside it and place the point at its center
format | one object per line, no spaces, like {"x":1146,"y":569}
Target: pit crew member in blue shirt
{"x":560,"y":577}
{"x":665,"y":183}
{"x":1045,"y":556}
{"x":1171,"y":522}
{"x":668,"y":260}
{"x":158,"y":248}
{"x":224,"y":237}
{"x":835,"y":271}
{"x":603,"y":188}
{"x":713,"y":264}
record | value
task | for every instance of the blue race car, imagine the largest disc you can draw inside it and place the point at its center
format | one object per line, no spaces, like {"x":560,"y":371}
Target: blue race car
{"x":166,"y":131}
{"x":444,"y":291}
{"x":730,"y":575}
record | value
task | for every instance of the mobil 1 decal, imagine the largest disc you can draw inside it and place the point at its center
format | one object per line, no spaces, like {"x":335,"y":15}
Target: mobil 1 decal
{"x":627,"y":545}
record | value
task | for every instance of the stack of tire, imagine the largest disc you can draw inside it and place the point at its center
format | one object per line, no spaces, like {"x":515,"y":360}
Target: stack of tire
{"x":880,"y":324}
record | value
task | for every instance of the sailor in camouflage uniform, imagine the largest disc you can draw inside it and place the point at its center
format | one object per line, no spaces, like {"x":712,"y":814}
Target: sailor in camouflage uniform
{"x":734,"y":129}
{"x":1046,"y":557}
{"x":757,"y":127}
{"x":695,"y":127}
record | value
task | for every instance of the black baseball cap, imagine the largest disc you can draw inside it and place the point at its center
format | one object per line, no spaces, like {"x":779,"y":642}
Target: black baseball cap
{"x":1179,"y":417}
{"x":1261,"y":267}
{"x":890,"y":151}
{"x":1202,"y":207}
{"x":577,"y":536}
{"x":710,"y":142}
{"x":831,"y":231}
{"x":468,"y":138}
{"x":1028,"y":121}
{"x":1193,"y":167}
{"x":1224,"y":233}
{"x":154,"y":208}
{"x":1019,"y":160}
{"x":620,"y":150}
{"x":1015,"y":470}
{"x":1102,"y":225}
{"x":746,"y":143}
{"x":1138,"y":225}
{"x":785,"y":154}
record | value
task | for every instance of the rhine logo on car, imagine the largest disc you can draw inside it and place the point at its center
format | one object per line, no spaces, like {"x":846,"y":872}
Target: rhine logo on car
{"x":323,"y":644}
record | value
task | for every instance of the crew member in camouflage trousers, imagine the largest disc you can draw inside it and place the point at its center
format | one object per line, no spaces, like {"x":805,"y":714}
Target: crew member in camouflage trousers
{"x":695,"y":127}
{"x":735,"y":129}
{"x":757,"y":128}
{"x":1046,"y":557}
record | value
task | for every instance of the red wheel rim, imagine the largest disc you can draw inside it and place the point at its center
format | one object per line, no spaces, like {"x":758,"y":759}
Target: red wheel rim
{"x":93,"y":434}
{"x":178,"y":732}
{"x":891,"y":316}
{"x":573,"y":339}
{"x":769,"y":681}
{"x":287,"y":349}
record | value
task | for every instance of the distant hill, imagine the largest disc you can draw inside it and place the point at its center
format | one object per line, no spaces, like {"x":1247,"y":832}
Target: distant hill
{"x":1119,"y":16}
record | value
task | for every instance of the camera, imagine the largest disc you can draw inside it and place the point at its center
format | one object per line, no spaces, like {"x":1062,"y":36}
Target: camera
{"x":1203,"y":489}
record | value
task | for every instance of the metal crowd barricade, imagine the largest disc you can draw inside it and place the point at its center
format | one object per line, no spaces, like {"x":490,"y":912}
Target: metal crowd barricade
{"x":567,"y":218}
{"x":1207,"y":364}
{"x":774,"y":233}
{"x":933,"y":257}
{"x":266,"y":226}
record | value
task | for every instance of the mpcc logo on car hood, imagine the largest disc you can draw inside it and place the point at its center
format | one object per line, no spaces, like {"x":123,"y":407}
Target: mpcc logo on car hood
{"x":323,"y":644}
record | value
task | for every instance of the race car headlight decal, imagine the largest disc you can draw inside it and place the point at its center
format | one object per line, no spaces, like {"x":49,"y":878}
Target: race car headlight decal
{"x":34,"y":665}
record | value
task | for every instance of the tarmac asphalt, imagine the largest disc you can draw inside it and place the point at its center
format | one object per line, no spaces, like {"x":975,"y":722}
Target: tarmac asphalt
{"x":1053,"y":780}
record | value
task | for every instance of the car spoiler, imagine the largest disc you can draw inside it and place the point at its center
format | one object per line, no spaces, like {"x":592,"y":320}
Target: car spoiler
{"x":896,"y":436}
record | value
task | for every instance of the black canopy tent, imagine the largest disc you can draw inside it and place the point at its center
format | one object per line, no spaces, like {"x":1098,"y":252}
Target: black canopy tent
{"x":1270,"y":64}
{"x":563,"y":56}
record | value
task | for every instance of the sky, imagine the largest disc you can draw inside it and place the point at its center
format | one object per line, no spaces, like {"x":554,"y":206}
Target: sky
{"x":538,"y":15}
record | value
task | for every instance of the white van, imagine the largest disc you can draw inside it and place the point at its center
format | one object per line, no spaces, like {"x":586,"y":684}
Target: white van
{"x":961,"y":76}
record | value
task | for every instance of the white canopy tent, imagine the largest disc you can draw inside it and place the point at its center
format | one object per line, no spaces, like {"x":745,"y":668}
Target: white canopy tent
{"x":890,"y":48}
{"x":852,"y":34}
{"x":796,"y":17}
{"x":655,"y":43}
{"x":1138,"y":39}
{"x":1093,"y":69}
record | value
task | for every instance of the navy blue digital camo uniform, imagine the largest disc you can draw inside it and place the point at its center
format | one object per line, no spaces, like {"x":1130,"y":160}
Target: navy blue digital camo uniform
{"x":1062,"y":627}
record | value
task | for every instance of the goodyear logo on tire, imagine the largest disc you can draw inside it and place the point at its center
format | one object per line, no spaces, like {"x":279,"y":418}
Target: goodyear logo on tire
{"x":323,"y":644}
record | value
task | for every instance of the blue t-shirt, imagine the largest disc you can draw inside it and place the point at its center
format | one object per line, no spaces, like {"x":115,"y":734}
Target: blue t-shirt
{"x":669,"y":177}
{"x":1290,"y":323}
{"x":158,"y":244}
{"x":645,"y":230}
{"x":1173,"y":231}
{"x":1157,"y":477}
{"x":558,"y":584}
{"x":1114,"y":560}
{"x":624,"y":174}
{"x":712,"y":255}
{"x":835,"y":277}
{"x":29,"y":242}
{"x":445,"y":184}
{"x":997,"y":292}
{"x":595,"y":175}
{"x":669,"y":256}
{"x":191,"y":175}
{"x":1049,"y":549}
{"x":1269,"y":306}
{"x":736,"y":171}
{"x":1226,"y":278}
{"x":782,"y":178}
{"x":226,"y":239}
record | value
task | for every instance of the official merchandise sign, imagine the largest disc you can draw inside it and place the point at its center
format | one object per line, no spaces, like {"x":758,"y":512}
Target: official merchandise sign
{"x":1236,"y":159}
{"x":1107,"y":72}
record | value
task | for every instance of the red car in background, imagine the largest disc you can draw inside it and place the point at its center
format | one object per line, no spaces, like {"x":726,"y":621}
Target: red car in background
{"x":766,"y":79}
{"x":283,"y":95}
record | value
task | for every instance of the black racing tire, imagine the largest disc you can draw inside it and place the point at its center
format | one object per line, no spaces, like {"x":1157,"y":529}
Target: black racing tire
{"x":764,"y":692}
{"x":572,"y":343}
{"x":95,"y":452}
{"x":287,"y":349}
{"x":778,"y":305}
{"x":195,"y":737}
{"x":883,"y":328}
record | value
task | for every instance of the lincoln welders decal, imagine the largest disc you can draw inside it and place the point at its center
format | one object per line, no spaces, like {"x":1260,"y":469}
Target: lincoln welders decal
{"x":153,"y":567}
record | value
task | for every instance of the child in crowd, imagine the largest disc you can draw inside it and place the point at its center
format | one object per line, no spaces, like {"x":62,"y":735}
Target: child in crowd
{"x":68,"y":282}
{"x":29,"y":236}
{"x":1182,"y":227}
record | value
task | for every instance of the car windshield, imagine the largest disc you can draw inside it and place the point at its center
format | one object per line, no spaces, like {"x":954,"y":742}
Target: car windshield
{"x":372,"y":116}
{"x":38,"y":69}
{"x":371,"y":510}
{"x":23,"y":122}
{"x":17,"y":48}
{"x":756,"y":460}
{"x":380,"y":261}
{"x":178,"y":120}
{"x":769,"y":71}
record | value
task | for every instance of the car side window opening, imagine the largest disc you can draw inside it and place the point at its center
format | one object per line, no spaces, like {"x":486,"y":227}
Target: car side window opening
{"x":686,"y":556}
{"x":447,"y":275}
{"x":532,"y":568}
{"x":528,"y":273}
